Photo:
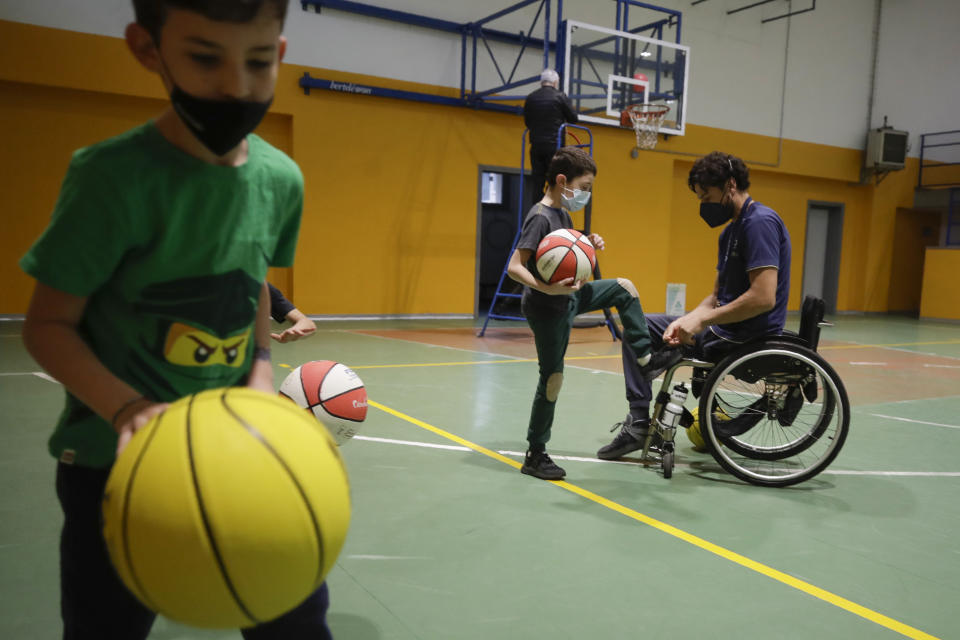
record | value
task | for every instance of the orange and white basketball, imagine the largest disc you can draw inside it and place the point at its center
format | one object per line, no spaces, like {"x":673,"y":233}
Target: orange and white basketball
{"x":332,"y":392}
{"x":565,"y":253}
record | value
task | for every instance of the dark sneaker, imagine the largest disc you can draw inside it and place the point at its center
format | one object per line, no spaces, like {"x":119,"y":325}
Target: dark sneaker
{"x":791,"y":407}
{"x":660,"y":361}
{"x":809,"y":386}
{"x":539,"y":465}
{"x":625,"y":441}
{"x":746,"y":420}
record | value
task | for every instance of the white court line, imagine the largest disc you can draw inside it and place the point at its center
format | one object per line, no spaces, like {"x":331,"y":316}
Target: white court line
{"x":935,"y":424}
{"x":908,"y":474}
{"x":449,"y":447}
{"x":637,"y":463}
{"x":904,"y":350}
{"x":954,"y":397}
{"x":364,"y":556}
{"x":943,"y":366}
{"x":39,"y":374}
{"x":869,"y":364}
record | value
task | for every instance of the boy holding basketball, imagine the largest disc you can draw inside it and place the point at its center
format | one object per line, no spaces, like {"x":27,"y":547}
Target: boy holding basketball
{"x":151,"y":276}
{"x":551,"y":308}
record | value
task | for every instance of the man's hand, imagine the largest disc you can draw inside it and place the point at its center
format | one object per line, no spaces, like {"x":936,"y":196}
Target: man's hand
{"x":301,"y":329}
{"x":134,"y":419}
{"x":683,"y":330}
{"x":596,"y":240}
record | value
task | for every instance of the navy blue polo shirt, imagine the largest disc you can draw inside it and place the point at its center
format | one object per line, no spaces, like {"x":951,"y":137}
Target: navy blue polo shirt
{"x":757,"y":238}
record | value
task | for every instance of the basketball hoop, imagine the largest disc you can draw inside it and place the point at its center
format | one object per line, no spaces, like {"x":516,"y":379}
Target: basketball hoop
{"x":646,"y":120}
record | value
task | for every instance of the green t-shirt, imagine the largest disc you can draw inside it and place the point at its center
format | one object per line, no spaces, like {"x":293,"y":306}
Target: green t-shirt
{"x":171,"y":252}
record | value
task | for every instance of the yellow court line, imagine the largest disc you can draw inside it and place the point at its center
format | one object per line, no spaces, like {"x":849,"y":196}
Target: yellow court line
{"x":617,"y":357}
{"x":732,"y":556}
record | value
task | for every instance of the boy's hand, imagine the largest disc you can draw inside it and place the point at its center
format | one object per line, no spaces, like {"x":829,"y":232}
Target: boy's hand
{"x":133,"y":419}
{"x":596,"y":240}
{"x":563,"y":287}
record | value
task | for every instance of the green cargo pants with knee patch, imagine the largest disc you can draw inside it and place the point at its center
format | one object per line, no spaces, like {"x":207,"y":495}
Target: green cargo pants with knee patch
{"x":551,"y":333}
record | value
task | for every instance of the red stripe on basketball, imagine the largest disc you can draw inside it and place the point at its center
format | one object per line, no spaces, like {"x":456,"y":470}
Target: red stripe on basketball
{"x":351,"y":405}
{"x":311,"y":376}
{"x":567,"y":267}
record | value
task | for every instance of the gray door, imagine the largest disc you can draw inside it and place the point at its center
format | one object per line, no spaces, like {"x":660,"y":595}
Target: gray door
{"x":821,"y":256}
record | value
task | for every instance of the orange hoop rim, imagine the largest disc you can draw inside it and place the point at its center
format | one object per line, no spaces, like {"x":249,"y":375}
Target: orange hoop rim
{"x":648,"y":109}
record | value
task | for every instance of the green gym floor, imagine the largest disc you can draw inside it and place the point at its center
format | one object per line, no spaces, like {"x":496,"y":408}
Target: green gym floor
{"x":450,"y":541}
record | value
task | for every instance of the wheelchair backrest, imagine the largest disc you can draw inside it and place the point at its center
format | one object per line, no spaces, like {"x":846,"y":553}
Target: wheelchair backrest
{"x":811,"y":315}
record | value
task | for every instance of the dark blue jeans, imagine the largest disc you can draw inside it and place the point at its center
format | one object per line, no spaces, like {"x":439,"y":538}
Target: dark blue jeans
{"x":95,"y":604}
{"x":708,"y":346}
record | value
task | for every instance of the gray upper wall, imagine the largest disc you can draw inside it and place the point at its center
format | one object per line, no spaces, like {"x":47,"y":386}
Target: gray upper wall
{"x":736,"y":62}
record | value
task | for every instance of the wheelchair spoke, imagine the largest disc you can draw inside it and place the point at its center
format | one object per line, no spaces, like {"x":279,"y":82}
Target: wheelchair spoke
{"x":778,"y":414}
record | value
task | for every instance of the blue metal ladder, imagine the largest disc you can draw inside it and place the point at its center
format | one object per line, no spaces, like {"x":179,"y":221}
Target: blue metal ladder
{"x":500,"y":294}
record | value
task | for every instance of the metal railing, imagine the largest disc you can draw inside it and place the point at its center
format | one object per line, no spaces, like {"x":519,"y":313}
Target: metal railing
{"x":934,"y":141}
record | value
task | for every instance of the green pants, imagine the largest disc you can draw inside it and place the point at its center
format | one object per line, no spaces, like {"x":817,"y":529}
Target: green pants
{"x":552,"y":334}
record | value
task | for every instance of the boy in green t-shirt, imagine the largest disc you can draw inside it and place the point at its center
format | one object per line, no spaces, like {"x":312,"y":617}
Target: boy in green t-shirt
{"x":151,"y":277}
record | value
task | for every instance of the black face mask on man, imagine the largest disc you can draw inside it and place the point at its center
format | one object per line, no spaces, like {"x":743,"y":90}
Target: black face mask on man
{"x":716,"y":213}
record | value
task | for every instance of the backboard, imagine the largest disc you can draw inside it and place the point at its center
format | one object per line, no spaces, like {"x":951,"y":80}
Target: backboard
{"x":605,"y":70}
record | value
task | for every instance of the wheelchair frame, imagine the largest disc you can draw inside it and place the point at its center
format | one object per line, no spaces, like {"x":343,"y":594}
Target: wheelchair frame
{"x":793,"y":376}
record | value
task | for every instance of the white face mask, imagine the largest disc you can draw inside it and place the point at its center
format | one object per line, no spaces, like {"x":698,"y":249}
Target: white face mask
{"x":577,"y":201}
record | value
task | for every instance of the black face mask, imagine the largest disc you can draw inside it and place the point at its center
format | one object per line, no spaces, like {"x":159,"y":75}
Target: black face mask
{"x":716,"y":213}
{"x":219,"y":124}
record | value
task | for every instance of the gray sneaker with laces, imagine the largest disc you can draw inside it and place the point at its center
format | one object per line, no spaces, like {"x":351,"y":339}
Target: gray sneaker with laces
{"x":633,"y":431}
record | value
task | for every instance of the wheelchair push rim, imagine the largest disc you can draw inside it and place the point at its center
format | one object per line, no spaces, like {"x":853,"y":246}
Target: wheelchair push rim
{"x":780,"y":445}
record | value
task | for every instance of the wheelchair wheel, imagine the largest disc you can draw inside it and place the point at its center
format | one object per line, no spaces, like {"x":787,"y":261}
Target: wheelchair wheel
{"x":774,"y":413}
{"x":801,"y":441}
{"x":666,"y":460}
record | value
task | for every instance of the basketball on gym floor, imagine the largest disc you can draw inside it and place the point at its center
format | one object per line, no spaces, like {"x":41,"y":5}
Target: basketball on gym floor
{"x":693,"y":432}
{"x":332,"y":392}
{"x":565,"y":253}
{"x":227,"y":510}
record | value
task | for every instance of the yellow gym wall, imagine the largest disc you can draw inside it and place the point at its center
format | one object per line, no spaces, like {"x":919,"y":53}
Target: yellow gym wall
{"x":940,"y":299}
{"x":389,"y":223}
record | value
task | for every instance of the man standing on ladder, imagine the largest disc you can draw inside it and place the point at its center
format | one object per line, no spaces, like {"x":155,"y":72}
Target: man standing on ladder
{"x":544,"y":111}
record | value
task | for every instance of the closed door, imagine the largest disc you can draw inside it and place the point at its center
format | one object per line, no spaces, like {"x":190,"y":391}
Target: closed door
{"x":821,"y":257}
{"x":818,"y":223}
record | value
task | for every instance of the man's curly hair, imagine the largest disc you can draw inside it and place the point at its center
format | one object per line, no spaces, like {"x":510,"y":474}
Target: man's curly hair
{"x":715,"y":169}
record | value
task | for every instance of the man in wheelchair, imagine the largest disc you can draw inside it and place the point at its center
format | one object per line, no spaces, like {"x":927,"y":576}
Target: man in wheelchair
{"x":749,"y":299}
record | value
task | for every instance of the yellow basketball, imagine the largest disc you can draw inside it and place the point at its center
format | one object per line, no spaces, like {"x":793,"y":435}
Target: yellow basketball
{"x":693,"y":432}
{"x":227,"y":510}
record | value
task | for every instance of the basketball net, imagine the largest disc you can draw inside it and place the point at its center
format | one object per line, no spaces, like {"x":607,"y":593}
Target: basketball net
{"x":646,"y":119}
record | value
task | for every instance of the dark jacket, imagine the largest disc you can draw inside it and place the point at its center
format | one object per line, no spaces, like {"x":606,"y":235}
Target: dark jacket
{"x":543,"y":112}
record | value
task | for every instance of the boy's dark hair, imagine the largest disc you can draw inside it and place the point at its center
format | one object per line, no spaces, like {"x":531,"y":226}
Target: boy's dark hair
{"x":715,"y":169}
{"x":572,"y":162}
{"x":152,"y":14}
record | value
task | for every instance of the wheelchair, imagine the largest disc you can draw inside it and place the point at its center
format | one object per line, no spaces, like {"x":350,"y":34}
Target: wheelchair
{"x":772,"y":412}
